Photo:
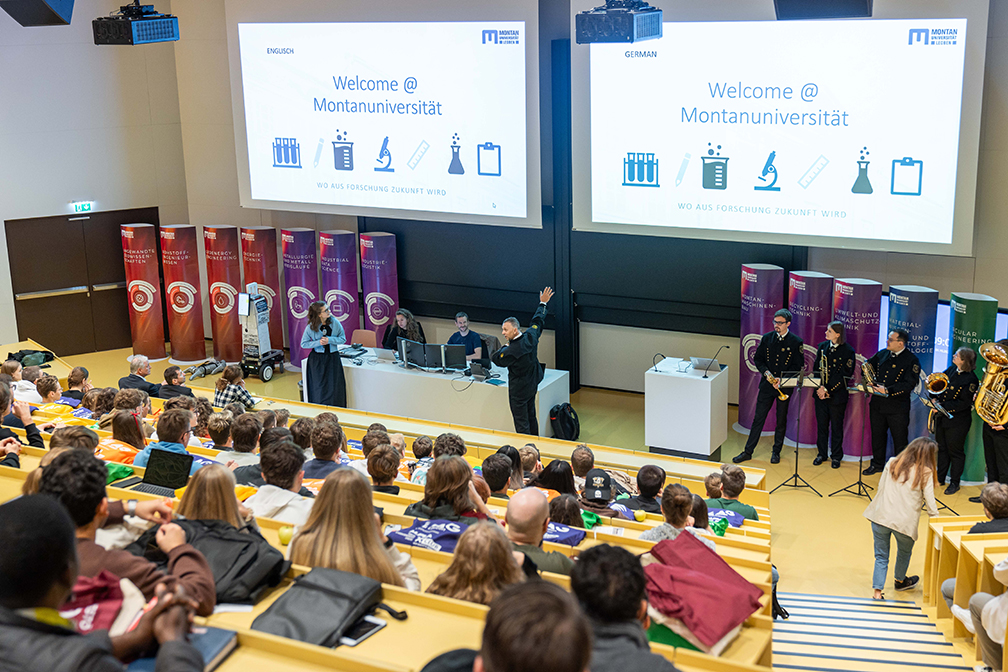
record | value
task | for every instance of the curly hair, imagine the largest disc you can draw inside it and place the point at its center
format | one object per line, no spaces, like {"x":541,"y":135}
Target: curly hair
{"x":481,"y":566}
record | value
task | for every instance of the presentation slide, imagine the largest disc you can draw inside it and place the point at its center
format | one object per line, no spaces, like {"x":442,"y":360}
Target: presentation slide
{"x":407,"y":116}
{"x":845,"y":129}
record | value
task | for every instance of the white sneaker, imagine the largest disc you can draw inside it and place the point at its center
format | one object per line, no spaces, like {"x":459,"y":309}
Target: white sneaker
{"x":982,"y":668}
{"x":965,"y":618}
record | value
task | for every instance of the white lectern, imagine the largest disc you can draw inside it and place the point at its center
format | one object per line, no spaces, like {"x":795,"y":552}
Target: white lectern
{"x":683,"y":411}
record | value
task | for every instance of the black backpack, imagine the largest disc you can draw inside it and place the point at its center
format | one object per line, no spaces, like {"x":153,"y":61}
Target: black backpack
{"x":242,"y":562}
{"x":565,"y":422}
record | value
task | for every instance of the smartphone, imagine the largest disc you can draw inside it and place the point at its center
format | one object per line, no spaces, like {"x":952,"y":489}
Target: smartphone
{"x":361,"y":630}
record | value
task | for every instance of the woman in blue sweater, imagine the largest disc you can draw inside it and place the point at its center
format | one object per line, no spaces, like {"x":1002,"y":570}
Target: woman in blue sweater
{"x":326,"y":384}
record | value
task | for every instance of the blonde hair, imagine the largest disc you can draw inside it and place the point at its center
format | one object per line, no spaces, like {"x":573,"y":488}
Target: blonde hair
{"x":34,"y":478}
{"x":481,"y":567}
{"x":918,"y":457}
{"x":341,"y":532}
{"x":210,"y":495}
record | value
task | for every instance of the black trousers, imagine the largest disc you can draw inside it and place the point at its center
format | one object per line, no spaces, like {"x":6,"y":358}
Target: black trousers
{"x":950,"y":433}
{"x":886,"y":422}
{"x":524,"y":413}
{"x":829,"y":420}
{"x":764,"y":400}
{"x":995,"y":445}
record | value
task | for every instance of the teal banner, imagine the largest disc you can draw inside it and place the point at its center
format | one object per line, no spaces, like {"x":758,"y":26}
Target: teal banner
{"x":974,"y":317}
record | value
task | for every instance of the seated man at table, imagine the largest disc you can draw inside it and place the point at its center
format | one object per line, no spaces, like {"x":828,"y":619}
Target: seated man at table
{"x":527,"y":520}
{"x":174,"y":428}
{"x":650,"y":480}
{"x":140,"y":368}
{"x":39,"y":571}
{"x":282,"y":470}
{"x":470,"y":339}
{"x":732,"y":485}
{"x":174,"y":384}
{"x":994,"y":498}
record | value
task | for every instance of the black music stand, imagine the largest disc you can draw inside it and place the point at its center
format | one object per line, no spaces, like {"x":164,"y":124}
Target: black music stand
{"x":797,"y":380}
{"x":860,"y":488}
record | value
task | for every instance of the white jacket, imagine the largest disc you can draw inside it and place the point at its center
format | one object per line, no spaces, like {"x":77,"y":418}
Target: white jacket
{"x":283,"y":505}
{"x":898,"y":505}
{"x":26,"y":391}
{"x":994,"y":616}
{"x":241,"y":459}
{"x":407,"y":570}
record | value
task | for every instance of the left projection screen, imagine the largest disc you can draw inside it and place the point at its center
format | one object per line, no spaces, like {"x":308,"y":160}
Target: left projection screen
{"x":387,"y":118}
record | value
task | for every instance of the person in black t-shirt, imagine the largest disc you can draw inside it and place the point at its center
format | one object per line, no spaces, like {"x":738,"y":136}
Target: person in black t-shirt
{"x":470,"y":339}
{"x":650,"y":481}
{"x":404,"y":325}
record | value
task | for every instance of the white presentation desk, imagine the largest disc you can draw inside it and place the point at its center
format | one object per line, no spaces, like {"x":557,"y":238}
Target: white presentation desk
{"x":683,"y":411}
{"x":384,"y":387}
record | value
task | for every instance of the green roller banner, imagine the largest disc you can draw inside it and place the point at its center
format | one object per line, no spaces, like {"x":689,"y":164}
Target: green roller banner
{"x":974,"y":317}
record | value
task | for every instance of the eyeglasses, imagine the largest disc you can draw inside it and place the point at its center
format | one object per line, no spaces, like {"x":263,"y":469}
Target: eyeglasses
{"x":780,"y":323}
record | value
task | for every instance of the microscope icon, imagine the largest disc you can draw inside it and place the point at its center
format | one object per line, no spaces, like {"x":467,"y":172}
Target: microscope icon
{"x":382,"y":156}
{"x":768,"y":169}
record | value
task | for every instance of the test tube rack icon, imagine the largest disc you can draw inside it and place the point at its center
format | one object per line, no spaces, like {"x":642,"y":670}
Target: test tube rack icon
{"x":640,"y":169}
{"x":286,"y":153}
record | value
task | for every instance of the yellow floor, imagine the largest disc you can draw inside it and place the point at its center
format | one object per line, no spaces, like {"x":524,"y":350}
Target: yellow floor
{"x":819,"y":545}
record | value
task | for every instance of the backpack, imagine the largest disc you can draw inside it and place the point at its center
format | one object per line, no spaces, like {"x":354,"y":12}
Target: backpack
{"x":31,"y":357}
{"x":242,"y":562}
{"x":565,"y":422}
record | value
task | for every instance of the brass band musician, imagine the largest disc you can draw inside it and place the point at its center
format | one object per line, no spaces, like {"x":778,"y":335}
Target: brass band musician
{"x":836,"y":359}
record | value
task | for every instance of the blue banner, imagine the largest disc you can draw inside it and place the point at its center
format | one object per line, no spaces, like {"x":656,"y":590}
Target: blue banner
{"x":915,"y":309}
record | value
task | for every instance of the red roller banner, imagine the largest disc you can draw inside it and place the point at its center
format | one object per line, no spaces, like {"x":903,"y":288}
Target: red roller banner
{"x":259,"y":262}
{"x":139,"y":242}
{"x":180,"y":260}
{"x":224,"y":277}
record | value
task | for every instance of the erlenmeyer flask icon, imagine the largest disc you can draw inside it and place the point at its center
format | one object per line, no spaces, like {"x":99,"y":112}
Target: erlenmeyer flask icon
{"x":456,"y":163}
{"x":862,"y":185}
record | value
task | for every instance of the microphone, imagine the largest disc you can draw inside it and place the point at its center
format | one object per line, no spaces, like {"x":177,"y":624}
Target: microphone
{"x":713,"y":359}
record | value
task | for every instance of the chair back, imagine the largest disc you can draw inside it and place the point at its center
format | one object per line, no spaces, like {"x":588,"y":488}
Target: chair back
{"x":365,"y":337}
{"x":491,"y":344}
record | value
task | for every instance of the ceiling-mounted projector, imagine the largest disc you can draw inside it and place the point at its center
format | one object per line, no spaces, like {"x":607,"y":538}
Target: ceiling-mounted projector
{"x":135,"y":24}
{"x":618,"y":21}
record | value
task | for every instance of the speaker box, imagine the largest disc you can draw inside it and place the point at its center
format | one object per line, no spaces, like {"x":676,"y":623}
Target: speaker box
{"x":39,"y":12}
{"x":822,"y":9}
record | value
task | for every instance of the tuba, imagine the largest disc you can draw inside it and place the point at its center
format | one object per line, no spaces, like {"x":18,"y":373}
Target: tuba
{"x":935,"y":383}
{"x":992,"y":398}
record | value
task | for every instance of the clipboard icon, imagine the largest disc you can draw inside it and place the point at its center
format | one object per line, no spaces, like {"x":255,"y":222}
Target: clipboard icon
{"x":488,"y":159}
{"x":907,"y":175}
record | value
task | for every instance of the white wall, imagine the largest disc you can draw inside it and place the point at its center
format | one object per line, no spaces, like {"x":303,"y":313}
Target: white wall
{"x":81,"y":122}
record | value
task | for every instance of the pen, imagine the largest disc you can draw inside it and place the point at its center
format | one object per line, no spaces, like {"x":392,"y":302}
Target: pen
{"x":682,"y":170}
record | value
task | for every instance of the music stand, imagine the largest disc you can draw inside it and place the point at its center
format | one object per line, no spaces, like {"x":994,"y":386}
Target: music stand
{"x":795,"y":380}
{"x":861,"y":488}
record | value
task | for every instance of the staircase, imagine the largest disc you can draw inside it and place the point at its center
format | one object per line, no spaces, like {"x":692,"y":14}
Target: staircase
{"x":851,"y":634}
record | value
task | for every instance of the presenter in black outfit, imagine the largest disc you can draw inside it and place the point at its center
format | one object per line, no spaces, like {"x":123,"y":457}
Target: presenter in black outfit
{"x":322,"y":334}
{"x":521,"y":357}
{"x":950,"y":433}
{"x":778,"y":351}
{"x":831,"y":398}
{"x":897,"y":371}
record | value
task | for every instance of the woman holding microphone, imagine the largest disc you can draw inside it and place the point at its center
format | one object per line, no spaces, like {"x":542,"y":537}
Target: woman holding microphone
{"x":326,"y":384}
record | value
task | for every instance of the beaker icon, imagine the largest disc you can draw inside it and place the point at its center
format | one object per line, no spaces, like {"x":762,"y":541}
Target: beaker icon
{"x":862,"y":185}
{"x":343,"y":152}
{"x":715,"y":172}
{"x":456,"y":163}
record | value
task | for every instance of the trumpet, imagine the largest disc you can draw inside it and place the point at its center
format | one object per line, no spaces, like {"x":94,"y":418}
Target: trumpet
{"x":992,"y":398}
{"x":823,"y":373}
{"x":774,"y":381}
{"x":868,"y":379}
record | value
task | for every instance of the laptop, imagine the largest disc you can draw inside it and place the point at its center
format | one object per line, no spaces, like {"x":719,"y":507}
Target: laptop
{"x":166,"y":472}
{"x":384,"y":355}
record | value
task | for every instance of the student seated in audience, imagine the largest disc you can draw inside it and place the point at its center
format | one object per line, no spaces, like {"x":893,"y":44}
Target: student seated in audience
{"x":140,"y":368}
{"x":377,"y":427}
{"x":230,"y":387}
{"x":701,"y":519}
{"x":398,"y":441}
{"x":482,"y":565}
{"x":383,"y":466}
{"x":732,"y":485}
{"x":174,"y":385}
{"x":20,"y":410}
{"x":39,"y":572}
{"x":78,"y":383}
{"x":404,"y":325}
{"x":328,"y":442}
{"x":24,"y":384}
{"x":712,"y":484}
{"x":557,"y":476}
{"x":445,"y":444}
{"x":281,"y":464}
{"x":127,"y":436}
{"x":423,"y":446}
{"x":236,"y":408}
{"x":497,"y":473}
{"x":597,"y":494}
{"x":677,"y":507}
{"x":482,"y":489}
{"x":301,"y":431}
{"x":204,"y":409}
{"x":343,"y":532}
{"x":610,"y":584}
{"x":132,"y":400}
{"x":517,"y":481}
{"x":650,"y":479}
{"x":49,"y":388}
{"x":565,"y":510}
{"x":74,"y":436}
{"x":219,"y":428}
{"x":251,"y":474}
{"x":449,"y":493}
{"x":174,"y":428}
{"x":101,"y":403}
{"x":34,"y":477}
{"x":282,"y":417}
{"x":186,"y":404}
{"x":245,"y":432}
{"x":531,"y":627}
{"x":583,"y":461}
{"x":329,"y":416}
{"x":986,"y":618}
{"x":527,"y":520}
{"x":210,"y":495}
{"x":77,"y":479}
{"x":994,"y":498}
{"x":371,"y":440}
{"x":531,"y":464}
{"x":267,"y":418}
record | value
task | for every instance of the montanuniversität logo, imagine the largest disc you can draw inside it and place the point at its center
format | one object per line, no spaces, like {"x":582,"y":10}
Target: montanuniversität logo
{"x":933,"y":37}
{"x":492,"y":36}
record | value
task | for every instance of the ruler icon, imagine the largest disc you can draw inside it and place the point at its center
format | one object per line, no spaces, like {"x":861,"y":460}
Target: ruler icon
{"x":418,"y":154}
{"x":813,"y":171}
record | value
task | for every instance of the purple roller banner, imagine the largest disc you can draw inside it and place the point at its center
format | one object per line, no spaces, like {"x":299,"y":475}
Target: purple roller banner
{"x":915,"y":309}
{"x":301,"y":280}
{"x":380,"y":279}
{"x":338,"y":264}
{"x":856,"y":303}
{"x":762,"y":296}
{"x":810,"y":300}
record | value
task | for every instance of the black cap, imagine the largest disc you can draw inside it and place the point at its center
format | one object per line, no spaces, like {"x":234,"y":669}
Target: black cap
{"x":598,"y":485}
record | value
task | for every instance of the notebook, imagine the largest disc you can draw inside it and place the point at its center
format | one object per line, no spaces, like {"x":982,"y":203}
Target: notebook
{"x":214,"y":644}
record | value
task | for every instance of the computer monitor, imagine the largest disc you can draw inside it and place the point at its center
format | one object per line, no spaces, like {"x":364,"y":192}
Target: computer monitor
{"x":243,"y":305}
{"x":455,"y":358}
{"x":432,"y":352}
{"x":412,"y":353}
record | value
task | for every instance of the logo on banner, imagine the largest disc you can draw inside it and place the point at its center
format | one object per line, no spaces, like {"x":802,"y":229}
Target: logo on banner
{"x":182,"y":296}
{"x":141,"y":295}
{"x":298,"y":300}
{"x":127,"y":234}
{"x":749,"y":277}
{"x":798,"y":284}
{"x":749,"y":344}
{"x":379,"y":308}
{"x":339,"y":303}
{"x":209,"y":235}
{"x":223,"y":297}
{"x":167,"y":234}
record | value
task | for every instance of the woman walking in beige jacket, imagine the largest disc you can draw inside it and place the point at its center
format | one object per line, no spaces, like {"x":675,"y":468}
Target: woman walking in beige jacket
{"x":907,"y":483}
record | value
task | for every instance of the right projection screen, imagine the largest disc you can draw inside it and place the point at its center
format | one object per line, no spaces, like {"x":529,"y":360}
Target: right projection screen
{"x":842,"y":132}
